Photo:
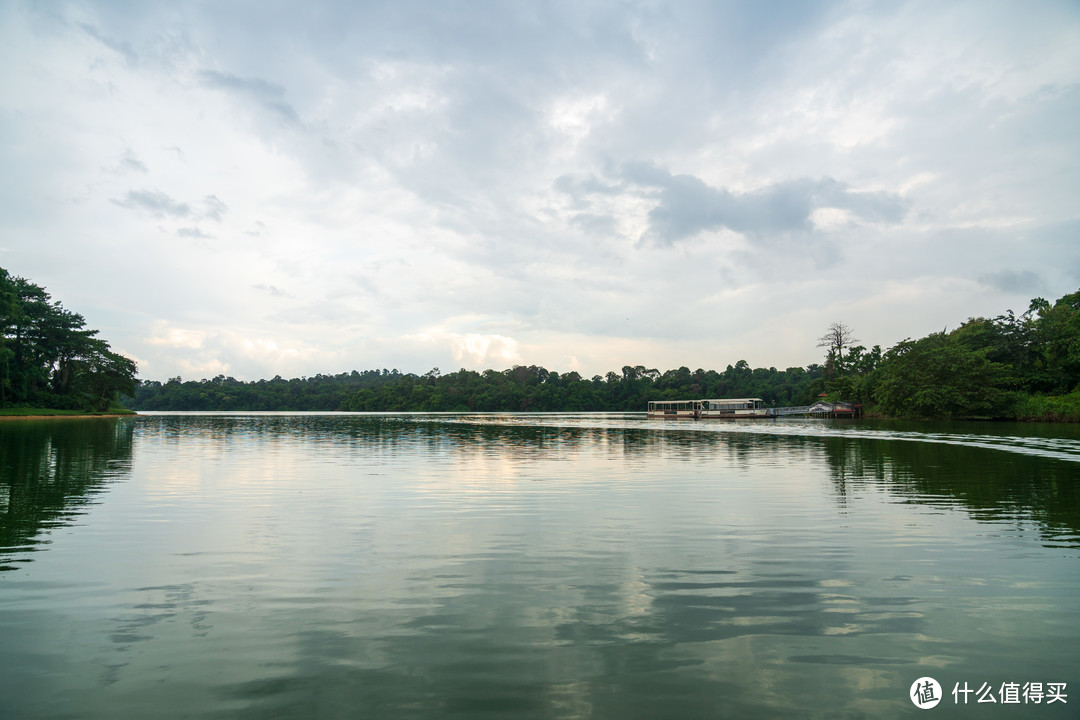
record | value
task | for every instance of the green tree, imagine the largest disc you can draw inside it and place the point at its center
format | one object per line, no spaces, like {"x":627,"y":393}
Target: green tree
{"x":1057,"y":334}
{"x":49,"y":358}
{"x":835,"y":339}
{"x":938,"y":376}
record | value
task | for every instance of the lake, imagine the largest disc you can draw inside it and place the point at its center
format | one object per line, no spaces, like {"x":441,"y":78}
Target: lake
{"x":536,"y":566}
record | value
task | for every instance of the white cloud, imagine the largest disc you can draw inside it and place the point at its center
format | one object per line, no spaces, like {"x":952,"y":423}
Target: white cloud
{"x":485,"y":351}
{"x":576,"y":186}
{"x":171,"y":337}
{"x":197,"y":354}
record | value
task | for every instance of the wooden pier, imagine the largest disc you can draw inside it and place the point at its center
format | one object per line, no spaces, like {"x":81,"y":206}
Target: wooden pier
{"x":820,"y":409}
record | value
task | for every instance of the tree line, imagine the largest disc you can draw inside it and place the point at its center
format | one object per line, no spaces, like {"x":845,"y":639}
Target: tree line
{"x":319,"y":392}
{"x":1012,"y":366}
{"x":534,"y":388}
{"x":520,"y":388}
{"x":1009,"y":367}
{"x":50,"y":359}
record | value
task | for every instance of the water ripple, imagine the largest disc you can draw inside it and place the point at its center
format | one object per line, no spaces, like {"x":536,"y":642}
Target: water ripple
{"x":1060,"y":448}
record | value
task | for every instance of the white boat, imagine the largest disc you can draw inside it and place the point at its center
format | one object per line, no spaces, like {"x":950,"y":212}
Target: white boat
{"x":675,"y":408}
{"x":711,"y":409}
{"x":734,"y":408}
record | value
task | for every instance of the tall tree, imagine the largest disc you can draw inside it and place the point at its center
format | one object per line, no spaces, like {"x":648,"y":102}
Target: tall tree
{"x":939,"y":376}
{"x":836,"y":338}
{"x":49,"y":358}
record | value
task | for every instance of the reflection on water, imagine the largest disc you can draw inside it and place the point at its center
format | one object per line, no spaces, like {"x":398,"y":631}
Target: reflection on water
{"x":1024,"y":490}
{"x":49,"y":472}
{"x":580,"y":566}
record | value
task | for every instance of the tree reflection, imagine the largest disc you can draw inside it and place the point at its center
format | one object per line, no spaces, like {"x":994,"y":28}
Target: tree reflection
{"x":991,"y":485}
{"x":50,"y":471}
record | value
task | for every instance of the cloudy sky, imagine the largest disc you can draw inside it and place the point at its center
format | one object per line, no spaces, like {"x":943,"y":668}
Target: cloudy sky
{"x":261,"y":188}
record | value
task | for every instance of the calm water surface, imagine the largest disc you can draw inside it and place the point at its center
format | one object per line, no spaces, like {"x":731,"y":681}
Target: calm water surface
{"x":542,"y":566}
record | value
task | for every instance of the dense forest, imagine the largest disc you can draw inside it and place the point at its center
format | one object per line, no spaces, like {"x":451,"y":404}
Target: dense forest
{"x":1022,"y":367}
{"x":1012,"y":366}
{"x":538,"y":389}
{"x":516,"y":389}
{"x":49,"y":359}
{"x":320,"y":392}
{"x":1025,"y":367}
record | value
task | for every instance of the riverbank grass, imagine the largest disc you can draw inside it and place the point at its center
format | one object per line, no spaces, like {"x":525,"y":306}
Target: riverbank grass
{"x":53,"y":412}
{"x":1050,"y":408}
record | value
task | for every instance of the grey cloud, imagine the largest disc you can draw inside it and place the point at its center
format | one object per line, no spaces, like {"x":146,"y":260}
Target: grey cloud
{"x":884,"y":207}
{"x":122,"y":48}
{"x":594,"y":224}
{"x":687,"y":205}
{"x":264,"y":94}
{"x":193,"y":232}
{"x":584,"y":186}
{"x":579,"y":189}
{"x":213,"y":208}
{"x":154,"y":202}
{"x":129,"y":161}
{"x":1013,"y":281}
{"x":646,"y":173}
{"x":271,"y":290}
{"x":159,"y":204}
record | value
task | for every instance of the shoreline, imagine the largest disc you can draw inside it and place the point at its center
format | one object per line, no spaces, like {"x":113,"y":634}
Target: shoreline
{"x":46,"y":414}
{"x":64,"y":416}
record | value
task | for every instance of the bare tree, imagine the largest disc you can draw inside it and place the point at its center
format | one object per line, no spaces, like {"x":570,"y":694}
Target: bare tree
{"x":838,"y":337}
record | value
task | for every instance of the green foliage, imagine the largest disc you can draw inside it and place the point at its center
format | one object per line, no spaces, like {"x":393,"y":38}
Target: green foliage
{"x":938,"y":376}
{"x":521,"y":388}
{"x":54,"y":412}
{"x":846,"y":378}
{"x":49,"y":359}
{"x":1060,"y":408}
{"x":1057,"y":334}
{"x":321,"y":392}
{"x":1009,"y":367}
{"x":535,"y":388}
